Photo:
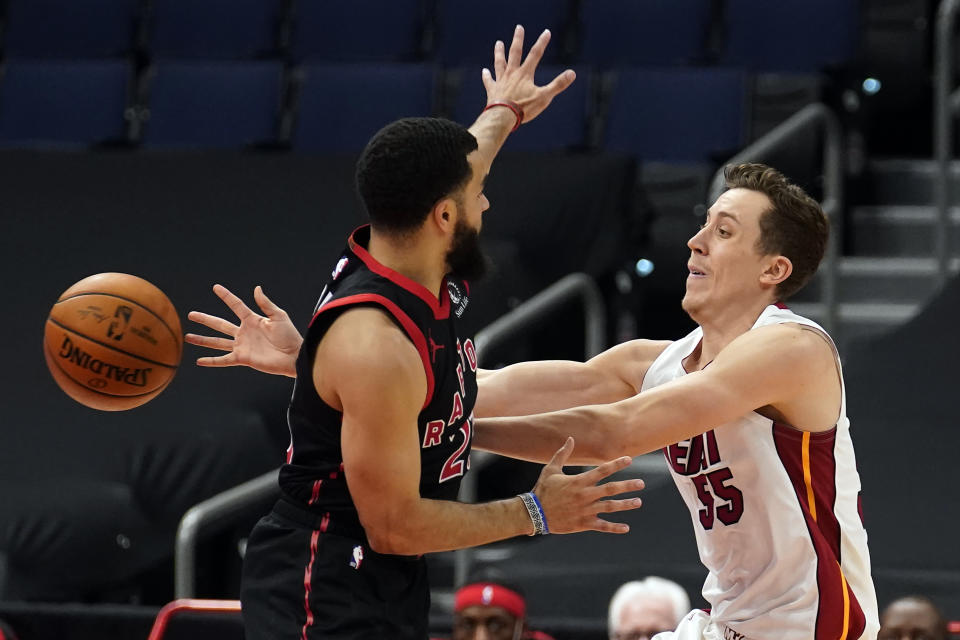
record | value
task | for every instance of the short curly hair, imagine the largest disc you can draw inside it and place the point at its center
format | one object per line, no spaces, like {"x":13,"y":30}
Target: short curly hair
{"x":408,"y":166}
{"x":794,"y":226}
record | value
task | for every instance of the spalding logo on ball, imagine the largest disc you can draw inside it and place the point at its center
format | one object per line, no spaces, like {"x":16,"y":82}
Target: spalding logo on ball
{"x":113,"y":341}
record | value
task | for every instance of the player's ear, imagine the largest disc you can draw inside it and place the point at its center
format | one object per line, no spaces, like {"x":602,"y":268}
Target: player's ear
{"x":777,"y":270}
{"x":444,"y":215}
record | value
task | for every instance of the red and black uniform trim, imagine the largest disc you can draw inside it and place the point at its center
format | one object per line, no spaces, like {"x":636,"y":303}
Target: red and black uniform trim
{"x":809,"y":461}
{"x":313,"y":478}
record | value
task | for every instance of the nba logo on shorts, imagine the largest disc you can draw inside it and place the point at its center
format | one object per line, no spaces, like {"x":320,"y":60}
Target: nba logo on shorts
{"x":357,"y":557}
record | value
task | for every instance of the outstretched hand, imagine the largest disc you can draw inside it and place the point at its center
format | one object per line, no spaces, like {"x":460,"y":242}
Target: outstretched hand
{"x":268,"y":343}
{"x":512,"y":78}
{"x":571,"y":503}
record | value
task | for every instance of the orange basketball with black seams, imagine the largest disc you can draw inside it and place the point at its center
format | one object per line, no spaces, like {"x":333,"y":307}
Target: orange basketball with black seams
{"x":113,"y":341}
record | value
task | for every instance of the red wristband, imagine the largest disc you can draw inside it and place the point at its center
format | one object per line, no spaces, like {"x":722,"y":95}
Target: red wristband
{"x":513,"y":106}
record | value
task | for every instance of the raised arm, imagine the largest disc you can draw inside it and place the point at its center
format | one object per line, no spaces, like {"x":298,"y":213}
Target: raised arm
{"x":787,"y":371}
{"x":372,"y":358}
{"x":270,"y":343}
{"x":512,"y":81}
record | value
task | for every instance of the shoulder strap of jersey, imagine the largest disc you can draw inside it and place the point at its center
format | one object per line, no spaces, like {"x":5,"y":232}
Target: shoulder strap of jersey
{"x":402,"y":319}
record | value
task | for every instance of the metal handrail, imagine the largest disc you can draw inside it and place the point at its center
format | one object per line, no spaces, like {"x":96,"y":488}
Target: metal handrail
{"x":530,"y":311}
{"x":574,"y":285}
{"x":221,"y":508}
{"x":945,"y":106}
{"x":776,"y":140}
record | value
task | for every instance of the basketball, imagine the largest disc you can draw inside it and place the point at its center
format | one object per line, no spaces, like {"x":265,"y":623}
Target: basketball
{"x":113,"y":341}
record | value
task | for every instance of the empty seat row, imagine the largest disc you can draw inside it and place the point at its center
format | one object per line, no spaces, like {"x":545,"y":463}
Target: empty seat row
{"x":682,"y":115}
{"x":785,"y":35}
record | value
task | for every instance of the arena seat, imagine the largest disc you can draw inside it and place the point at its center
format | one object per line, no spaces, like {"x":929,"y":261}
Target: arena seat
{"x":377,"y":95}
{"x":676,"y":115}
{"x":345,"y":32}
{"x":189,"y":619}
{"x":565,"y":125}
{"x":465,"y":36}
{"x":56,"y":104}
{"x":790,"y":35}
{"x":655,"y":32}
{"x":69,"y":29}
{"x":215,"y":29}
{"x":213,"y":104}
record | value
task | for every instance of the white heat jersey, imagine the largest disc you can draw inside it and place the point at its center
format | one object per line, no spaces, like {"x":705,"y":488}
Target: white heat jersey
{"x":777,"y":519}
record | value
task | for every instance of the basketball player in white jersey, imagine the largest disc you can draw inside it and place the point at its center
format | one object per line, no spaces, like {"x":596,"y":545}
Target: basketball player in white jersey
{"x":749,"y":410}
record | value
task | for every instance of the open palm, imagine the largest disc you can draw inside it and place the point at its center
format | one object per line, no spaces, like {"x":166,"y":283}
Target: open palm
{"x":268,"y":343}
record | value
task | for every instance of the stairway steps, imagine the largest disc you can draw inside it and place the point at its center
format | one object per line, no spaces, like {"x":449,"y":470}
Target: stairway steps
{"x":908,"y":181}
{"x":899,"y":280}
{"x":900,"y":230}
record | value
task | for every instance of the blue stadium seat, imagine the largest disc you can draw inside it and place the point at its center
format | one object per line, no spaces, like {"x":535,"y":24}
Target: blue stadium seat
{"x":63,"y":104}
{"x":358,"y":31}
{"x":564,"y":125}
{"x":629,"y":33}
{"x":790,"y":35}
{"x":676,"y":115}
{"x":466,"y":31}
{"x":213,"y":104}
{"x":215,"y":29}
{"x":342,"y":106}
{"x":70,"y":29}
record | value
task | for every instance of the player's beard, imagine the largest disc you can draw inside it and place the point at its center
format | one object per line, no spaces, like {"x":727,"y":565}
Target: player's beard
{"x":465,"y":257}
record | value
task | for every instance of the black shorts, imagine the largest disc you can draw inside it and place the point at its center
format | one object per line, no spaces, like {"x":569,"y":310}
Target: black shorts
{"x":300,"y":584}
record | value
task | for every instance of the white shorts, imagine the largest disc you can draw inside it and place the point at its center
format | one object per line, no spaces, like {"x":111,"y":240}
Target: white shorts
{"x":697,"y":625}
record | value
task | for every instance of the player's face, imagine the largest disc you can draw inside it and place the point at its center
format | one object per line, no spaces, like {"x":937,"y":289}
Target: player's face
{"x":473,"y":201}
{"x":725,"y":265}
{"x":465,"y":258}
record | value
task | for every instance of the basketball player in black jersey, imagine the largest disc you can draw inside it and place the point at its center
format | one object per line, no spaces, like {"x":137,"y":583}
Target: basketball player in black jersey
{"x":381,"y":416}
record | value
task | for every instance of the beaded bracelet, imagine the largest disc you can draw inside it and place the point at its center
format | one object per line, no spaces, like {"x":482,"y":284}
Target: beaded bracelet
{"x":535,"y":511}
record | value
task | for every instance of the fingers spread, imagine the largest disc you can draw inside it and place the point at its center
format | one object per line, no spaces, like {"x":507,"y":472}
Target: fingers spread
{"x":516,"y":48}
{"x":219,"y":361}
{"x":610,"y":506}
{"x":499,"y":59}
{"x":213,"y":322}
{"x":561,"y":456}
{"x":621,"y":486}
{"x":223,"y":344}
{"x":595,"y":475}
{"x":236,"y":304}
{"x":266,"y":304}
{"x":487,"y":79}
{"x":536,"y":51}
{"x":604,"y":526}
{"x":560,"y":83}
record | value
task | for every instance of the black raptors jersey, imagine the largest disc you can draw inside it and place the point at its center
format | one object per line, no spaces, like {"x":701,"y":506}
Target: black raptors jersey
{"x":313,"y":477}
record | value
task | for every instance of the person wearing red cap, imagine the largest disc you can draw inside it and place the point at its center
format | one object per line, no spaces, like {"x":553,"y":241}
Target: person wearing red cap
{"x":491,"y":611}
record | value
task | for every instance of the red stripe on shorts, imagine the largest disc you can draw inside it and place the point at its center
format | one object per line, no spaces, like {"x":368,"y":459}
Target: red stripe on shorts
{"x":307,"y":575}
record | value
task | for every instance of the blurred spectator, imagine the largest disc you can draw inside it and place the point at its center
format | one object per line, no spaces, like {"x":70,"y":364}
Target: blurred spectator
{"x":642,"y":608}
{"x":491,"y":610}
{"x":912,"y":618}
